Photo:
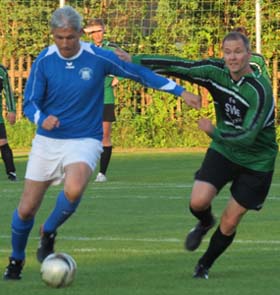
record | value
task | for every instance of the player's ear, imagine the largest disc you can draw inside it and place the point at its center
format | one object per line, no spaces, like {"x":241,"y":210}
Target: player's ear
{"x":249,"y":53}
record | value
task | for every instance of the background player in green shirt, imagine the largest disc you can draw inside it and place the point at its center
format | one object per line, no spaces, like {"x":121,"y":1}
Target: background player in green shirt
{"x":243,"y":147}
{"x":96,"y":29}
{"x":6,"y":152}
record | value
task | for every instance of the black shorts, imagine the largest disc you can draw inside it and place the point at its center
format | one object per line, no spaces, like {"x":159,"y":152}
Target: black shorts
{"x":109,"y":113}
{"x":3,"y":133}
{"x":248,"y":187}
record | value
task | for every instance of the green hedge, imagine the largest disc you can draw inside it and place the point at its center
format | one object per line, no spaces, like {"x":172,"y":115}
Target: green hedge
{"x":129,"y":131}
{"x":20,"y":134}
{"x":154,"y":130}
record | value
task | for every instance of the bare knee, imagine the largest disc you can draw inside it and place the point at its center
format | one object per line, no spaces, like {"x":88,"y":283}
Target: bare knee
{"x":228,"y":224}
{"x":73,"y":192}
{"x":106,"y":141}
{"x":202,"y":195}
{"x":26,"y":212}
{"x":198,"y":204}
{"x":3,"y":141}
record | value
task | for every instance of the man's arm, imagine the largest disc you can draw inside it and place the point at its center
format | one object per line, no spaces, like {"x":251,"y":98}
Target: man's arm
{"x":190,"y":98}
{"x":10,"y":101}
{"x":33,"y":94}
{"x":150,"y":79}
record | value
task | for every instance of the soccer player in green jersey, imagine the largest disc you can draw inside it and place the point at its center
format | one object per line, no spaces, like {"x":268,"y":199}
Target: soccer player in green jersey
{"x":6,"y":152}
{"x":243,"y":147}
{"x":96,"y":29}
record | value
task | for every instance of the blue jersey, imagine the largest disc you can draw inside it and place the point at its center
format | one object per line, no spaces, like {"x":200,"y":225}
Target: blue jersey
{"x":72,"y":89}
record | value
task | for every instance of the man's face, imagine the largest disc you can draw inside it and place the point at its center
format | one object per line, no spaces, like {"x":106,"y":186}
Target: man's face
{"x":67,"y":41}
{"x":97,"y":34}
{"x":236,"y":57}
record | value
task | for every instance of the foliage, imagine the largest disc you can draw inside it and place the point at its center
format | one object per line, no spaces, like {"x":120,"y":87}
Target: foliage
{"x":20,"y":134}
{"x":278,"y":134}
{"x":24,"y":27}
{"x":193,"y":28}
{"x":185,"y":28}
{"x":157,"y":128}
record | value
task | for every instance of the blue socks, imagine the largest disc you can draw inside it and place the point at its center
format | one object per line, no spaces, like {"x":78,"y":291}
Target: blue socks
{"x":20,"y":233}
{"x":21,"y":228}
{"x":62,"y":211}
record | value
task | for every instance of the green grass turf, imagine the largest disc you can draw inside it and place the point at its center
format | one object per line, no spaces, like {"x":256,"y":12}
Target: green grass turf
{"x":127,"y":235}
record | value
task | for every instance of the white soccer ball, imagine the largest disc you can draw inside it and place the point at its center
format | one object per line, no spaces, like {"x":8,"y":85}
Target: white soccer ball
{"x":58,"y":270}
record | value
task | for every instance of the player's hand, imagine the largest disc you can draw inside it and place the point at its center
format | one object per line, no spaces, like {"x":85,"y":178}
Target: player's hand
{"x":123,"y":55}
{"x":11,"y":117}
{"x":50,"y":122}
{"x":115,"y":82}
{"x":206,"y":125}
{"x":191,"y":99}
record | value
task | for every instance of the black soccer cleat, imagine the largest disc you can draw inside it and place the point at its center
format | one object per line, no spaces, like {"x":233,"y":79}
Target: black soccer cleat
{"x":12,"y":176}
{"x":46,"y":245}
{"x":13,"y":270}
{"x":200,"y":272}
{"x":195,"y":236}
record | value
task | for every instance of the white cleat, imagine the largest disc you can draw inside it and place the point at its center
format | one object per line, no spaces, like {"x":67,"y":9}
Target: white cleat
{"x":100,"y":177}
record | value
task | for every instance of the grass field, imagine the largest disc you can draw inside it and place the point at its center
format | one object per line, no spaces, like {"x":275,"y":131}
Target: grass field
{"x":127,"y":236}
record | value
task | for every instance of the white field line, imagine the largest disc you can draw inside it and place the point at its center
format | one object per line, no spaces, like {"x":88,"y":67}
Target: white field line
{"x":139,"y":197}
{"x":161,"y":251}
{"x":117,"y":251}
{"x":122,"y":185}
{"x":3,"y":194}
{"x":149,"y":240}
{"x":262,"y":245}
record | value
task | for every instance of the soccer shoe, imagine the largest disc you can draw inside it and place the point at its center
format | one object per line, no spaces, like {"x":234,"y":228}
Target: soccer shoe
{"x":200,"y":272}
{"x":12,"y":176}
{"x":46,"y":245}
{"x":196,"y":234}
{"x":100,"y":177}
{"x":13,"y":270}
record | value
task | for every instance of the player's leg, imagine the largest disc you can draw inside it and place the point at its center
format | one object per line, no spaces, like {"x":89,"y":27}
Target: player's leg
{"x":80,"y":158}
{"x":209,"y":179}
{"x":200,"y":207}
{"x":77,"y":176}
{"x":222,"y":237}
{"x":108,"y":119}
{"x":107,"y":147}
{"x":7,"y":154}
{"x":22,"y":223}
{"x":246,"y":183}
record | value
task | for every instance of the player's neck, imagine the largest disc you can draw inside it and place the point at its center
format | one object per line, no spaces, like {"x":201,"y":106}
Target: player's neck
{"x":236,"y":76}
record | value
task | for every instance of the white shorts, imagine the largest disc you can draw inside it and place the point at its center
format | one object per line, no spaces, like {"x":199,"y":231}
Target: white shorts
{"x":49,"y":156}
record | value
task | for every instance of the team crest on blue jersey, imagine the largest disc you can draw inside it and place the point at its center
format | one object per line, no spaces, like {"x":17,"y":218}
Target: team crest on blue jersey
{"x":85,"y":73}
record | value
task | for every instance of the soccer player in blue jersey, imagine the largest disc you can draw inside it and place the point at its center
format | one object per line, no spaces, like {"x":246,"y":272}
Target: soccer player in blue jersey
{"x":64,"y":98}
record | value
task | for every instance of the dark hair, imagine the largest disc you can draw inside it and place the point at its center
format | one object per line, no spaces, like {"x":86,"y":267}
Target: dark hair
{"x":237,"y":36}
{"x":241,"y":30}
{"x":95,"y":22}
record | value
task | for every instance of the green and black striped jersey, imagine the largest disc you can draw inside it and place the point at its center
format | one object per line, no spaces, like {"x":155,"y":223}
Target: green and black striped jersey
{"x":258,"y":61}
{"x":6,"y":88}
{"x":109,"y":96}
{"x":245,"y":131}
